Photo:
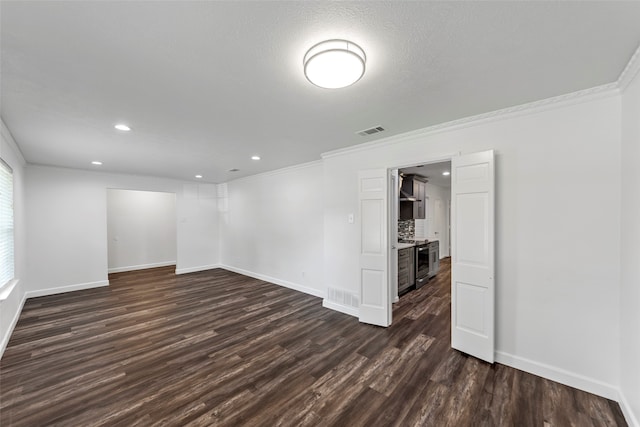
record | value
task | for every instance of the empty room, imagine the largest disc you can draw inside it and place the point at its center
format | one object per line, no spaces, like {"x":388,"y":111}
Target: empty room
{"x":292,"y":213}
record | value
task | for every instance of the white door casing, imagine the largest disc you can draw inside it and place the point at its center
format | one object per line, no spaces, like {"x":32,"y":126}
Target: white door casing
{"x":438,"y":224}
{"x":394,"y":206}
{"x":375,"y":304}
{"x":472,"y":258}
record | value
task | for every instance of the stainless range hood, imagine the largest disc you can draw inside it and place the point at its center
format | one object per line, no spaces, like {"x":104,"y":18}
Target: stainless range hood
{"x":404,"y":196}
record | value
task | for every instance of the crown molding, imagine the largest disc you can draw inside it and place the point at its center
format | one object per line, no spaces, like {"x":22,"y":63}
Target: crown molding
{"x":585,"y":95}
{"x":280,"y":171}
{"x":630,"y":71}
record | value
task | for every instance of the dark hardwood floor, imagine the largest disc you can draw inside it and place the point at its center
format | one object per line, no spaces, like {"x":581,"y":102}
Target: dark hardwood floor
{"x":218,"y":348}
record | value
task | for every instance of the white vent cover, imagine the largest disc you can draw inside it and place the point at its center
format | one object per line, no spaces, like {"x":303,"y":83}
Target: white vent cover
{"x":343,"y":297}
{"x":371,"y":131}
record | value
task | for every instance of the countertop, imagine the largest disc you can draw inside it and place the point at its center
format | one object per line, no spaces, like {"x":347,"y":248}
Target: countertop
{"x":405,"y":245}
{"x":409,"y":245}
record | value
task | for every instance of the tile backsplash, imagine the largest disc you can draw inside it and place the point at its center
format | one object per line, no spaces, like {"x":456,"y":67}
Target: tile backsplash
{"x":406,"y":229}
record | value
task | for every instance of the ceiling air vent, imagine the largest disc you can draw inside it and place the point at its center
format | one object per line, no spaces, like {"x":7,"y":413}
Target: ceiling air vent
{"x":371,"y":131}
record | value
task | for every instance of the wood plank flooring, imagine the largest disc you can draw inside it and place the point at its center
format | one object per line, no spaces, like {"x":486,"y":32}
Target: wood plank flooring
{"x":218,"y":348}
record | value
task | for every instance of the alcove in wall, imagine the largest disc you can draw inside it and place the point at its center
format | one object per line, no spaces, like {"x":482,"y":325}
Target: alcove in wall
{"x":141,"y":229}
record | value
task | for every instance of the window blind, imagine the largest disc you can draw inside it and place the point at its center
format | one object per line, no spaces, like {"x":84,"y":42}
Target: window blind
{"x":6,"y":223}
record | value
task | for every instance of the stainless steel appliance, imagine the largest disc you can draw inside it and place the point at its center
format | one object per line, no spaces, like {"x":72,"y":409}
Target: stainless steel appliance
{"x":422,"y":264}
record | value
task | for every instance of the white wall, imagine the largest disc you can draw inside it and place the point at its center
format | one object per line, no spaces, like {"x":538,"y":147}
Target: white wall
{"x":272,"y":227}
{"x":630,"y":252}
{"x":67,"y":225}
{"x":12,"y":296}
{"x":557,"y":268}
{"x":141,"y":229}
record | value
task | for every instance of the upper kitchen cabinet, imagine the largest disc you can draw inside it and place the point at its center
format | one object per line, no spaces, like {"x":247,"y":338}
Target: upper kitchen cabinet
{"x":412,"y":197}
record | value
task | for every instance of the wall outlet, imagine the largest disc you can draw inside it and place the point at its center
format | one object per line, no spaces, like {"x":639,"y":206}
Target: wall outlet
{"x":351,"y":218}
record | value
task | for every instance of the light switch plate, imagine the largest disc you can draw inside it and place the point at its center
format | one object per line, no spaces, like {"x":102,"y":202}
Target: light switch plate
{"x":351,"y":218}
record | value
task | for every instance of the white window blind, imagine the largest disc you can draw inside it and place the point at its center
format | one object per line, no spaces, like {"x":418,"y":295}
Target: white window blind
{"x":6,"y":223}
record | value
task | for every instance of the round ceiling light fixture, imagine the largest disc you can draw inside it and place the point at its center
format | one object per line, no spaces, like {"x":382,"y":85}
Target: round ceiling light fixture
{"x":333,"y":64}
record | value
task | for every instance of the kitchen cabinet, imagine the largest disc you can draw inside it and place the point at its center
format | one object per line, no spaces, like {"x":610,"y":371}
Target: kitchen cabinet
{"x":413,"y":187}
{"x":434,"y":258}
{"x":406,"y":269}
{"x":418,"y":207}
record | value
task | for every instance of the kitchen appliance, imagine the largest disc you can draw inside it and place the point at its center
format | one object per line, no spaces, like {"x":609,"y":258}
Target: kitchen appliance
{"x":422,"y":264}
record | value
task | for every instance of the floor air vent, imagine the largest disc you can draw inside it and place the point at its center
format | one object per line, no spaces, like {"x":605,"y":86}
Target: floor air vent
{"x":342,"y":297}
{"x":371,"y":131}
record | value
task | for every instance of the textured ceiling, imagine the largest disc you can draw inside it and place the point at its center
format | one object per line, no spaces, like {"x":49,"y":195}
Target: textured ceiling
{"x":205,"y":85}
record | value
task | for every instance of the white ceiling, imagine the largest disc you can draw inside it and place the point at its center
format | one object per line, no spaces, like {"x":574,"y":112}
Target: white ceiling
{"x":205,"y":85}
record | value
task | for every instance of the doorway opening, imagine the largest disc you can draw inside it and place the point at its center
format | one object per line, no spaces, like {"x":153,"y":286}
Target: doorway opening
{"x":141,"y":230}
{"x":419,"y":229}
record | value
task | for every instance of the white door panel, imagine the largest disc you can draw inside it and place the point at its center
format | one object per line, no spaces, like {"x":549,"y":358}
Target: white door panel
{"x":472,"y":258}
{"x":375,"y":305}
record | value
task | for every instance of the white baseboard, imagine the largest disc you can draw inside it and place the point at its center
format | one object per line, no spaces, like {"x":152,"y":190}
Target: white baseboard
{"x":4,"y":340}
{"x":351,"y":311}
{"x":627,"y":411}
{"x":285,"y":283}
{"x":68,"y":288}
{"x":141,"y":266}
{"x":196,"y":269}
{"x":561,"y":376}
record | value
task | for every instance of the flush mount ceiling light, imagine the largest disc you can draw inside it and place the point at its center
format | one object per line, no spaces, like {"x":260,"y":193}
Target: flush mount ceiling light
{"x":97,"y":163}
{"x":255,"y":157}
{"x":198,"y":176}
{"x":333,"y":64}
{"x":122,"y":127}
{"x":446,"y":173}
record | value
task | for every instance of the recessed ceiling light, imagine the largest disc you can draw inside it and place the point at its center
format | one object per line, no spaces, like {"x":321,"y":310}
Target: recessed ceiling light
{"x":255,"y":157}
{"x":198,"y":176}
{"x":446,"y":173}
{"x":123,"y":127}
{"x":333,"y":64}
{"x":97,"y":163}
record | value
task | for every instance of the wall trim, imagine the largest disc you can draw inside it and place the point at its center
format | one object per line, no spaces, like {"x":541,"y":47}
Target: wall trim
{"x":12,"y":325}
{"x":280,"y":282}
{"x":630,"y":71}
{"x":68,"y":288}
{"x":559,"y":375}
{"x":196,"y":269}
{"x":556,"y":102}
{"x":351,"y":311}
{"x":6,"y":290}
{"x":629,"y":416}
{"x":280,"y":171}
{"x":141,"y":266}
